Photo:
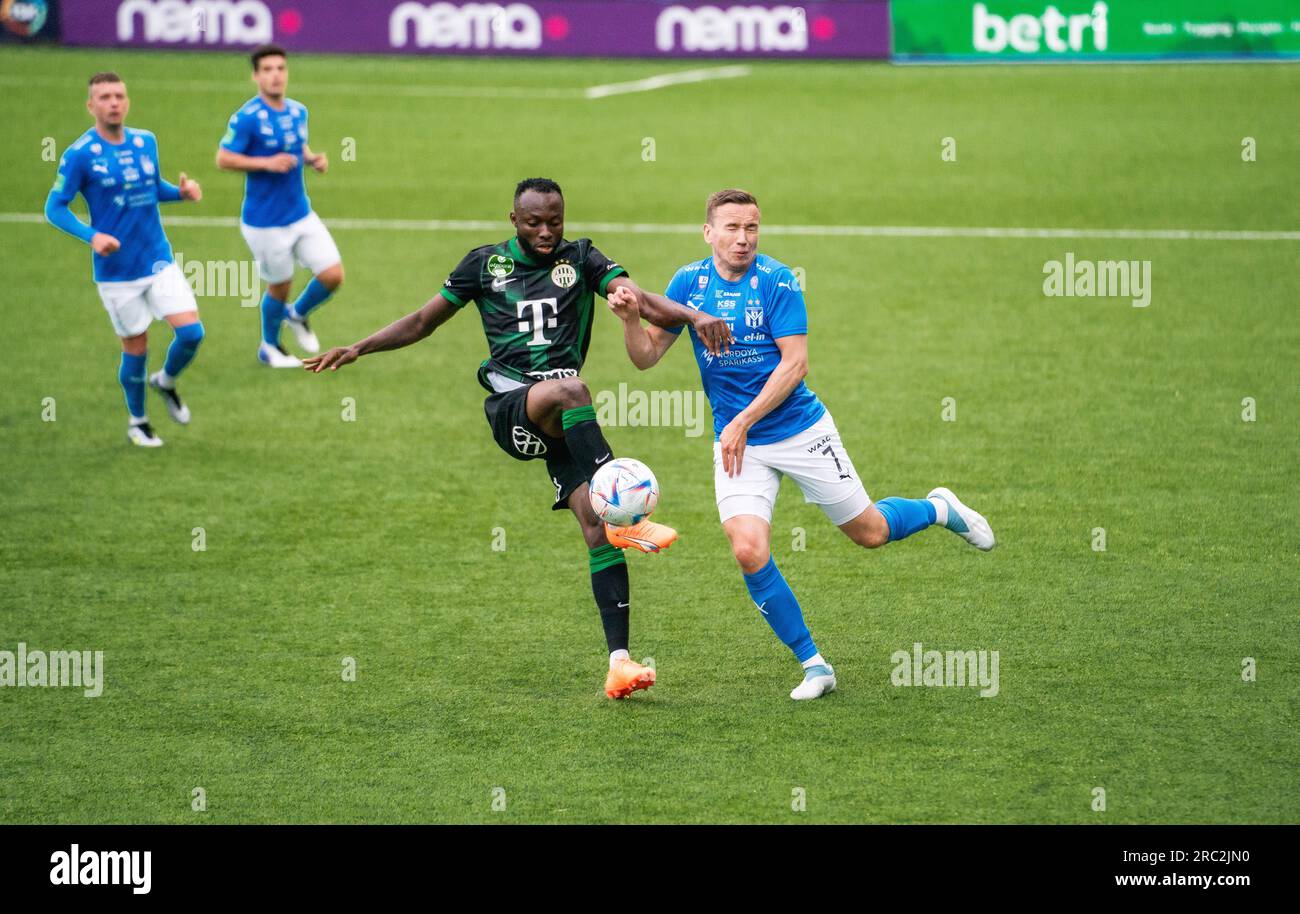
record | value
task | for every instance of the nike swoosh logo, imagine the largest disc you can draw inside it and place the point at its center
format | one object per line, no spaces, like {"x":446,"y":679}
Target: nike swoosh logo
{"x":623,"y":605}
{"x":499,"y":284}
{"x":602,"y":459}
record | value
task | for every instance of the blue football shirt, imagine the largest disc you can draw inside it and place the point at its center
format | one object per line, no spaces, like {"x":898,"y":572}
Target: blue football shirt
{"x":257,"y":129}
{"x":121,"y":184}
{"x":761,"y":307}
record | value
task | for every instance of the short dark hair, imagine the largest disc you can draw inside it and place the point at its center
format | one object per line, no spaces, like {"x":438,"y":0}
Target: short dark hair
{"x":541,"y":185}
{"x":723,"y":197}
{"x":266,"y":50}
{"x":108,"y":76}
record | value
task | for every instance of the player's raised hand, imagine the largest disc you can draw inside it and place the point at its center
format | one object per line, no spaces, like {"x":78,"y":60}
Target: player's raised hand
{"x":104,"y":244}
{"x":190,"y":190}
{"x":714,"y":332}
{"x":334,"y":359}
{"x":281,"y":162}
{"x":732,"y":442}
{"x":320,"y":162}
{"x":625,"y":303}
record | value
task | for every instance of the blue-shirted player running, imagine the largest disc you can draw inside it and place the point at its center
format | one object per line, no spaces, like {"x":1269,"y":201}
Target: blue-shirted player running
{"x":267,"y":139}
{"x":116,"y":169}
{"x":767,"y":423}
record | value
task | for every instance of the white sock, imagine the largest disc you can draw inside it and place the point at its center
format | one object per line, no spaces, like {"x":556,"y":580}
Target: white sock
{"x":139,"y":420}
{"x":815,"y":660}
{"x":940,"y":511}
{"x":165,"y":380}
{"x":290,"y":313}
{"x":618,"y":655}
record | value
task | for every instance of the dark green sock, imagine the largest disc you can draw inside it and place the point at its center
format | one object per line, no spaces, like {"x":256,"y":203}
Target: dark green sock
{"x":586,"y":442}
{"x":609,"y":585}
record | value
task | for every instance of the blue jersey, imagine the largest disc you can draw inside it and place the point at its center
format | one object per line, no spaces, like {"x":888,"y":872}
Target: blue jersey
{"x":257,"y":129}
{"x":123,"y":185}
{"x":761,"y":307}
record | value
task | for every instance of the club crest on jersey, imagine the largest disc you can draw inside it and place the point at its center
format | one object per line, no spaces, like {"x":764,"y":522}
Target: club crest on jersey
{"x":564,"y":275}
{"x":753,"y":282}
{"x":754,"y":317}
{"x":499,"y":265}
{"x":526,"y":442}
{"x":704,"y":281}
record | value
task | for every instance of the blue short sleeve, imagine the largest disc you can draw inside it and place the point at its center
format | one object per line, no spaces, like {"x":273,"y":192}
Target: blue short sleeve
{"x":239,"y":133}
{"x":678,"y":290}
{"x":787,"y":314}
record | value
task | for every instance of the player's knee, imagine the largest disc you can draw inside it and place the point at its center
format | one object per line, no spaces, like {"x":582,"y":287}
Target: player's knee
{"x":332,"y":277}
{"x":751,"y":553}
{"x":871,"y":530}
{"x":573,"y":392}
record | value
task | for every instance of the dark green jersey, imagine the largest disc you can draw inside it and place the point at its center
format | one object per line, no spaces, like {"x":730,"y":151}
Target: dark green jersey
{"x":537,"y":317}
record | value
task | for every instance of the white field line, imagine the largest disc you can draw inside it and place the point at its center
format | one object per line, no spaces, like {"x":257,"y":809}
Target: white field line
{"x":816,"y":231}
{"x":425,"y":91}
{"x":667,"y":79}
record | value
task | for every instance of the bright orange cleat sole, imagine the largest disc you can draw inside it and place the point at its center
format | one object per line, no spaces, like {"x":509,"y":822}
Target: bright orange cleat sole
{"x":623,"y":687}
{"x":646,"y":536}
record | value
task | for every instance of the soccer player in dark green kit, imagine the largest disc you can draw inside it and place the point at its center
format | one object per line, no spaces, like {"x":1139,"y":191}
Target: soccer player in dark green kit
{"x":536,"y":297}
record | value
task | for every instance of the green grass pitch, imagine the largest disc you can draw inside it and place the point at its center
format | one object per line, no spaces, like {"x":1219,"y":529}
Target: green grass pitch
{"x":480,"y":669}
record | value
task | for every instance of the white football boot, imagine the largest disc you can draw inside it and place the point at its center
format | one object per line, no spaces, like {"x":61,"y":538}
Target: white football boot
{"x":969,"y":525}
{"x":141,"y":434}
{"x":276,"y":357}
{"x":302,"y":332}
{"x":817,"y":681}
{"x":176,"y":407}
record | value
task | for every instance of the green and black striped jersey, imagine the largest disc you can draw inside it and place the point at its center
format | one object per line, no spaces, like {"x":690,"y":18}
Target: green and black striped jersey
{"x":536,"y":316}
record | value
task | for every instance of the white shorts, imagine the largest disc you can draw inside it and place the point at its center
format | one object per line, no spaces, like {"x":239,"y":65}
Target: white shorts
{"x":815,"y":459}
{"x":133,"y":304}
{"x":306,"y":241}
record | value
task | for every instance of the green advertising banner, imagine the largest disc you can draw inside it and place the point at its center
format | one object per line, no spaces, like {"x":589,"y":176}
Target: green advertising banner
{"x":1005,"y":30}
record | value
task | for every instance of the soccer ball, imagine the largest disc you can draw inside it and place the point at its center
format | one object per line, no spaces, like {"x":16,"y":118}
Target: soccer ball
{"x":623,"y":492}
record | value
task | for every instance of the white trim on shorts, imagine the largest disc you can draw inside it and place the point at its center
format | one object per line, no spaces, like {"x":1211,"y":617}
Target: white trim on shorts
{"x":276,"y":248}
{"x":814,"y":458}
{"x":134,"y":303}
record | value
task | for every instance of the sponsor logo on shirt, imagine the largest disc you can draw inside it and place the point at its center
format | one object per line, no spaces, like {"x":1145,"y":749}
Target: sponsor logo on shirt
{"x":499,"y":265}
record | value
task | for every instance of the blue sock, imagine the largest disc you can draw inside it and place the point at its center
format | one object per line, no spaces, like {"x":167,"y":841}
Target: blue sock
{"x":181,"y":352}
{"x":311,"y":298}
{"x":272,"y":315}
{"x":777,"y":603}
{"x":131,"y":375}
{"x":906,"y":516}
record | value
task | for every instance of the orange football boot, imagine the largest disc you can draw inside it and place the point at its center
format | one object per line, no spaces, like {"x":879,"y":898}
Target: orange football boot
{"x":646,"y":536}
{"x":626,"y":677}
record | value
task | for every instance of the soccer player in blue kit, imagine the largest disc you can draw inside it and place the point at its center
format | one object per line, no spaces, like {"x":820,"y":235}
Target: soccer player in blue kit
{"x":116,"y":169}
{"x":267,"y":139}
{"x":767,"y":423}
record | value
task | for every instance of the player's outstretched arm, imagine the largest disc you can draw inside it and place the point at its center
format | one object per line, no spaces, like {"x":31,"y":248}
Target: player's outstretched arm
{"x":645,"y":345}
{"x":713,"y":332}
{"x":402,"y":332}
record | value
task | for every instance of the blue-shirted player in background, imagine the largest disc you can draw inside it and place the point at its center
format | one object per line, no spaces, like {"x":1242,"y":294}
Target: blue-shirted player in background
{"x":116,"y":169}
{"x":767,"y":423}
{"x":267,"y":139}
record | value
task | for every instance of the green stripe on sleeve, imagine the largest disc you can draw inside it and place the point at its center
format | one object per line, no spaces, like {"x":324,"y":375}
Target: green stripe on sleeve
{"x":452,"y":297}
{"x":604,"y":283}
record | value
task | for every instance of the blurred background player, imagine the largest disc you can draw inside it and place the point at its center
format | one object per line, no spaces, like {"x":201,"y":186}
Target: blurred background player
{"x":767,"y":423}
{"x":535,"y":294}
{"x":116,"y":169}
{"x":267,"y":139}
